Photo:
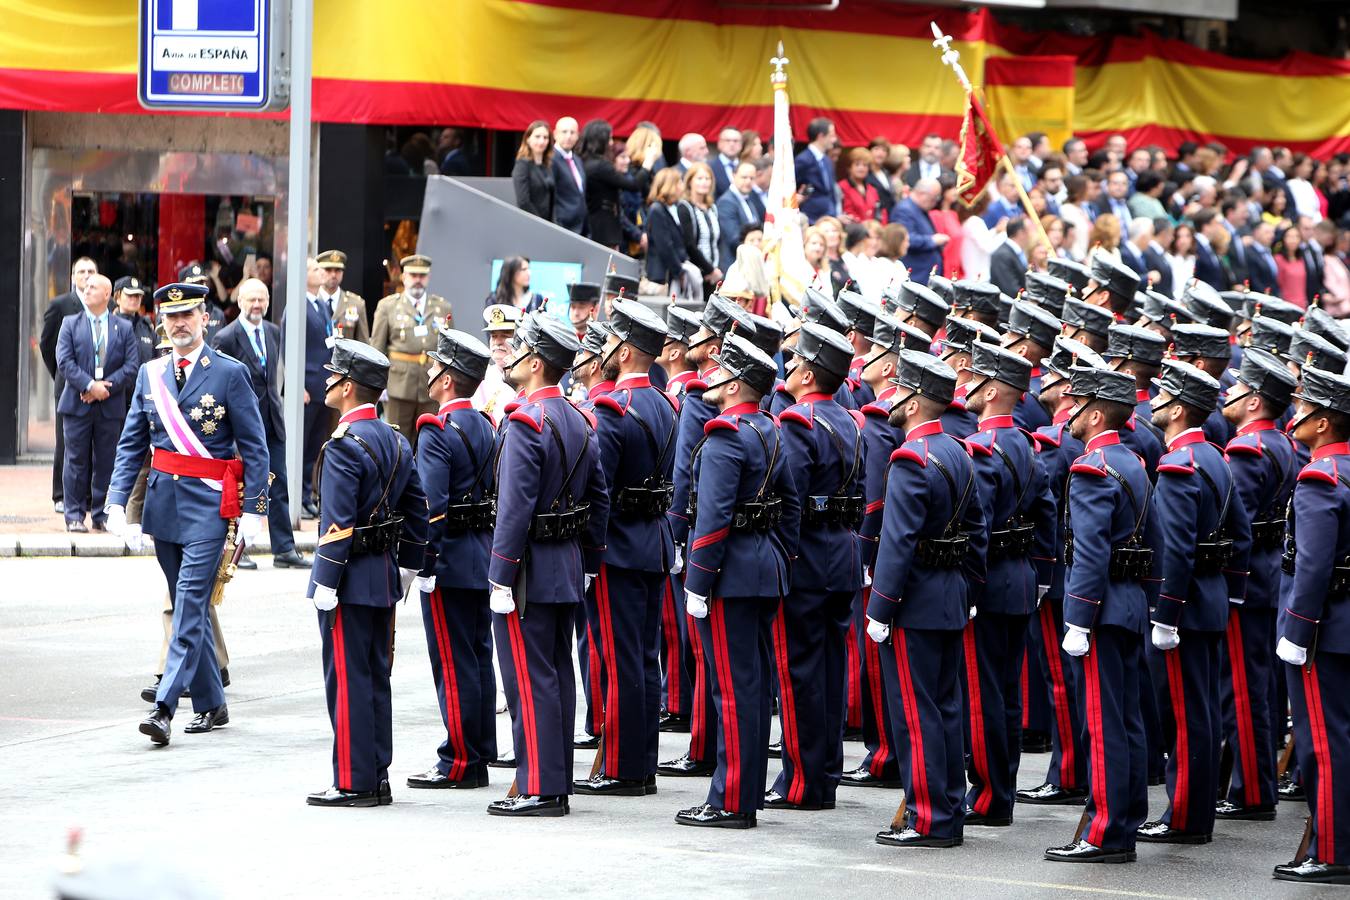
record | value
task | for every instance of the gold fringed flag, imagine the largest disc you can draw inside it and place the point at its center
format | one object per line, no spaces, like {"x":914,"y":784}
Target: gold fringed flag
{"x":980,"y":151}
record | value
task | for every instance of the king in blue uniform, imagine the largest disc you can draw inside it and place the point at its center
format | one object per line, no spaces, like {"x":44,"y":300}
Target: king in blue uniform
{"x":456,"y":452}
{"x":196,"y":409}
{"x":372,"y":528}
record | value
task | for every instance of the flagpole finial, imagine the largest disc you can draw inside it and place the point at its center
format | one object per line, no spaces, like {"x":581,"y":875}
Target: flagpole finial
{"x":778,"y":62}
{"x":943,"y":43}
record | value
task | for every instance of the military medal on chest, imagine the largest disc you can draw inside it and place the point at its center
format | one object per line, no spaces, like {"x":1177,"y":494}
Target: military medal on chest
{"x":207,"y":413}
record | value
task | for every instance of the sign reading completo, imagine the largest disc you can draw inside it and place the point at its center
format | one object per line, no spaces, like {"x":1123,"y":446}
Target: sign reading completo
{"x":208,"y":54}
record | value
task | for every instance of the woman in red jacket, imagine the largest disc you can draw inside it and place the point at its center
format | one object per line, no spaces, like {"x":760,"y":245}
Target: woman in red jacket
{"x":861,"y":202}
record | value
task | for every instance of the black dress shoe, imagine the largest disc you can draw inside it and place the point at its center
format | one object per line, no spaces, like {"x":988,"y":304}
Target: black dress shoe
{"x":908,"y":837}
{"x":1227,"y":809}
{"x":776,"y":750}
{"x":584,"y":741}
{"x":1162,"y":833}
{"x":709,"y":816}
{"x":309,"y":511}
{"x":526,"y":805}
{"x":684,"y":767}
{"x":224,"y":677}
{"x":649,"y":784}
{"x":604,"y":786}
{"x":205,"y":721}
{"x":157,"y":726}
{"x":1083,"y":852}
{"x":503,"y":762}
{"x":148,"y":694}
{"x":863,"y":777}
{"x":335,"y":797}
{"x":1310,"y":871}
{"x":853,"y":734}
{"x":433,"y":779}
{"x":775,"y":800}
{"x":246,"y":563}
{"x":77,"y":528}
{"x":1288,"y":789}
{"x":670,"y":723}
{"x":383,"y":795}
{"x":98,"y":526}
{"x":291,"y":560}
{"x":1052,"y":795}
{"x":982,"y":820}
{"x":1035,"y":742}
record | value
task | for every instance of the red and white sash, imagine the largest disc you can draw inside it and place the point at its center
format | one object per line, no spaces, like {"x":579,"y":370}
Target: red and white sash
{"x":185,"y":441}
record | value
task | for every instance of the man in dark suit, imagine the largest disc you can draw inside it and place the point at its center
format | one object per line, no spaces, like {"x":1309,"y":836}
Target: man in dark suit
{"x":61,"y":306}
{"x":97,"y":356}
{"x":1155,"y":258}
{"x":726,"y":161}
{"x":1208,"y":268}
{"x":1236,"y":214}
{"x":1132,"y":242}
{"x":318,"y":349}
{"x":1262,"y":274}
{"x":256,"y":343}
{"x":929,"y":161}
{"x":815,"y":171}
{"x":737,"y":208}
{"x":925,"y":247}
{"x":569,"y":178}
{"x":1313,"y":257}
{"x":1008,"y":264}
{"x":1113,"y":199}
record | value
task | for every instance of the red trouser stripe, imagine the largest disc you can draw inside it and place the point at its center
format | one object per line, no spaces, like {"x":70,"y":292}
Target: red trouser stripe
{"x":1025,"y":689}
{"x":1096,"y":744}
{"x":1242,"y":702}
{"x":671,"y":629}
{"x":923,"y":809}
{"x":1060,"y":695}
{"x":698,"y":719}
{"x":1326,"y":796}
{"x":882,"y":755}
{"x":854,"y":690}
{"x":610,"y":654}
{"x":344,"y":722}
{"x":1182,"y":755}
{"x":730,"y":724}
{"x":594,"y":683}
{"x":788,"y":712}
{"x":979,"y":754}
{"x":526,"y":692}
{"x":450,"y":686}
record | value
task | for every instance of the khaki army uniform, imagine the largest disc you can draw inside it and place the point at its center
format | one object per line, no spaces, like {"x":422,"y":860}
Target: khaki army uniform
{"x":404,"y":336}
{"x":349,"y":316}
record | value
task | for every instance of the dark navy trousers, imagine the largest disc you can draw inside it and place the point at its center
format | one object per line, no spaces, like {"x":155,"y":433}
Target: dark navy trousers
{"x":358,"y":644}
{"x":810,"y":634}
{"x":1068,"y":760}
{"x":190,"y":570}
{"x":698,"y":672}
{"x":736,"y":636}
{"x":90,"y":448}
{"x":878,"y":726}
{"x":922,"y":669}
{"x":994,"y":645}
{"x":1189,"y":674}
{"x":1110,"y":682}
{"x":1247,"y":684}
{"x":278,"y":498}
{"x":535,"y":656}
{"x":458,"y":627}
{"x":592,"y":670}
{"x":676,"y":676}
{"x":315,"y":429}
{"x":1320,"y":701}
{"x":624,"y":612}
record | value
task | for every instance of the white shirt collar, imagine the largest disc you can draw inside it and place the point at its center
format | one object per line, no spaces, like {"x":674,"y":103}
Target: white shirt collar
{"x":815,"y":152}
{"x":191,"y":357}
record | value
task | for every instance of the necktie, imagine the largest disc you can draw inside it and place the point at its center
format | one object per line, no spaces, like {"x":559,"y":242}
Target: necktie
{"x":98,"y":343}
{"x":258,"y":344}
{"x":829,"y":181}
{"x":572,"y":164}
{"x":180,"y":373}
{"x":327,"y":320}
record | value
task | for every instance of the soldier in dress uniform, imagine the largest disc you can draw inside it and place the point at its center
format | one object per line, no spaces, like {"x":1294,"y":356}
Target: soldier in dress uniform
{"x":1206,"y":540}
{"x":1314,"y":638}
{"x":932,"y":546}
{"x":1112,"y":287}
{"x":820,"y":310}
{"x":636,"y":428}
{"x":721,"y":318}
{"x":1208,"y":349}
{"x":1086,"y":323}
{"x":406,"y":325}
{"x":348,"y":309}
{"x":958,"y":345}
{"x":1264,"y":464}
{"x":977,"y":300}
{"x":372,"y":528}
{"x":1066,"y":777}
{"x":551,"y":505}
{"x":1112,"y":541}
{"x":456,"y":450}
{"x":128,"y":292}
{"x":823,"y":448}
{"x":861,"y":314}
{"x":585,"y":382}
{"x":493,"y":392}
{"x":1138,"y":352}
{"x":583,"y":302}
{"x":1031,"y":334}
{"x":681,"y":326}
{"x":196,"y":409}
{"x":1019,"y":515}
{"x":193,"y":273}
{"x":745,"y":524}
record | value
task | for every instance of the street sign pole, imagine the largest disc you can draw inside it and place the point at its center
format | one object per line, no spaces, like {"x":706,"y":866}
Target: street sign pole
{"x":297,"y":249}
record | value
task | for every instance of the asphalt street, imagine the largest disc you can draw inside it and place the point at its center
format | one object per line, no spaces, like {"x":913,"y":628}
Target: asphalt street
{"x":79,"y":639}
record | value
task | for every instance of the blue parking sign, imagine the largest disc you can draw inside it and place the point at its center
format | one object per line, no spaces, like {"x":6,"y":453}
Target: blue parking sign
{"x":206,"y":54}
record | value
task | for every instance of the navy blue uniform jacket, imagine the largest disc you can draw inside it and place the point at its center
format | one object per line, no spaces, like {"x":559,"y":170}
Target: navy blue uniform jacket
{"x":456,"y":457}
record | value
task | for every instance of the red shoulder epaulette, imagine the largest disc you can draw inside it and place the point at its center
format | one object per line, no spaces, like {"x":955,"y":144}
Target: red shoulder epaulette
{"x":608,"y":402}
{"x":908,"y":453}
{"x":1047,"y":440}
{"x":1310,"y":472}
{"x":792,"y":415}
{"x":1247,"y":443}
{"x":876,"y":409}
{"x":522,"y":416}
{"x":719,"y":423}
{"x":858,"y":418}
{"x":1086,"y":465}
{"x":429,"y":419}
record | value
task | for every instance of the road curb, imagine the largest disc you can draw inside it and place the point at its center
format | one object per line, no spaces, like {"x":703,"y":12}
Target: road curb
{"x":62,"y":544}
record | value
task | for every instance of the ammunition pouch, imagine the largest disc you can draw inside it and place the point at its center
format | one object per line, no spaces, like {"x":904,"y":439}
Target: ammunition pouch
{"x":757,"y":515}
{"x":377,"y":537}
{"x":462,"y":518}
{"x":944,"y":552}
{"x":650,"y":501}
{"x":1268,"y":535}
{"x":1212,"y":555}
{"x":1131,"y":563}
{"x":560,"y":526}
{"x":1012,"y":542}
{"x":845,"y":512}
{"x":1340,"y":578}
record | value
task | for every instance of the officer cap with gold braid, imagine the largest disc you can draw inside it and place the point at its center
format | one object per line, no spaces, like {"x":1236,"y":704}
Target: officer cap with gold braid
{"x":462,"y":352}
{"x":192,"y":273}
{"x":359,"y":362}
{"x":500,"y":317}
{"x":740,"y":360}
{"x":334,"y":259}
{"x":129,"y":285}
{"x":417,"y":264}
{"x":179,"y":297}
{"x":923,"y":375}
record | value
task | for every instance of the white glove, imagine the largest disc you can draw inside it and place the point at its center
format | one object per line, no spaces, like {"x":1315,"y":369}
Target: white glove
{"x":587,"y":586}
{"x":1076,"y":641}
{"x":867,"y":577}
{"x":697,"y":606}
{"x":1165,"y":637}
{"x":678,"y":565}
{"x":1291,"y":653}
{"x":1237,"y":601}
{"x":501,"y":600}
{"x":878,"y":631}
{"x":424,"y":584}
{"x":133,"y":538}
{"x":1041,"y":591}
{"x":325,"y":598}
{"x":117,"y":520}
{"x":974,"y":610}
{"x":250,"y":526}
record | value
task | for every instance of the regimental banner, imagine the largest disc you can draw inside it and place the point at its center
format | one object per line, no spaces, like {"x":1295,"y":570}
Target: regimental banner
{"x":1030,"y":93}
{"x":695,"y":65}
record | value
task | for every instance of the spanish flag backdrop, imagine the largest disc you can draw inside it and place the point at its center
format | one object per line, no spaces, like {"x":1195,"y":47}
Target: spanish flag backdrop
{"x":695,"y":65}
